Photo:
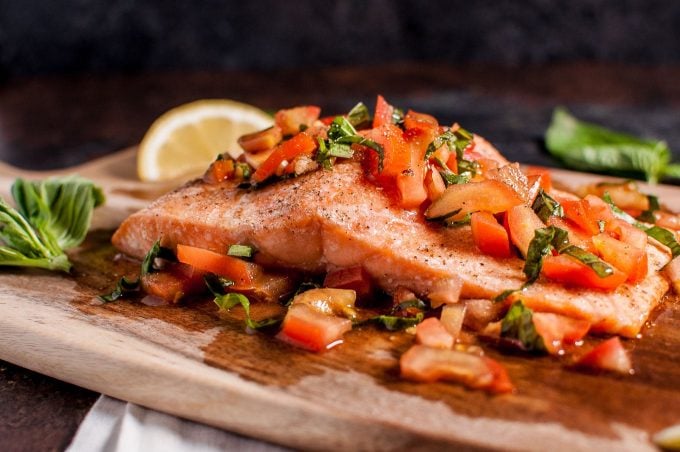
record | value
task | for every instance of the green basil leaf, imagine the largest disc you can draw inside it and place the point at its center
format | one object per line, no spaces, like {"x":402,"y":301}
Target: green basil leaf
{"x":518,"y":324}
{"x":589,"y":147}
{"x":601,"y":268}
{"x":545,"y":239}
{"x":156,"y":252}
{"x":229,"y":300}
{"x":123,"y":287}
{"x":545,"y":206}
{"x":648,"y":215}
{"x":359,"y":115}
{"x":666,"y":237}
{"x":394,"y":323}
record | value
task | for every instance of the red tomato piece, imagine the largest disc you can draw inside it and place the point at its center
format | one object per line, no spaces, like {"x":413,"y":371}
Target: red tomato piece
{"x":522,"y":224}
{"x":609,"y":355}
{"x":431,"y":332}
{"x":577,"y":236}
{"x":241,"y":272}
{"x":630,"y":260}
{"x":309,"y":329}
{"x":428,"y":364}
{"x":300,"y":144}
{"x":557,"y":330}
{"x":420,"y":121}
{"x":486,"y":195}
{"x":353,"y":278}
{"x":220,"y":170}
{"x":490,"y":237}
{"x":434,"y":184}
{"x":383,"y":112}
{"x":567,"y":270}
{"x":588,"y":213}
{"x":541,"y":174}
{"x":174,"y":282}
{"x":290,"y":120}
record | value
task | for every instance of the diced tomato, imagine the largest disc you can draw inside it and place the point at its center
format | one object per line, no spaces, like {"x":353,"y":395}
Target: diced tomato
{"x":628,"y":233}
{"x":588,"y":213}
{"x":410,"y":181}
{"x":490,"y":237}
{"x":522,"y":224}
{"x":577,"y":236}
{"x":557,"y":330}
{"x":630,"y":260}
{"x":397,"y":150}
{"x":609,"y":355}
{"x":383,"y":112}
{"x":434,"y":184}
{"x":427,"y":365}
{"x":481,"y":149}
{"x":174,"y":282}
{"x":625,"y":195}
{"x":487,"y":195}
{"x":241,"y":272}
{"x":667,"y":220}
{"x":431,"y":332}
{"x":300,"y":144}
{"x":568,"y":270}
{"x":219,"y":171}
{"x":290,"y":120}
{"x":306,"y":328}
{"x":262,"y":140}
{"x":540,"y":174}
{"x":353,"y":278}
{"x":420,"y":121}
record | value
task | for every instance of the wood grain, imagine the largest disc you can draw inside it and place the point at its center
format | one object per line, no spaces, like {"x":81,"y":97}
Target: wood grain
{"x":193,"y":362}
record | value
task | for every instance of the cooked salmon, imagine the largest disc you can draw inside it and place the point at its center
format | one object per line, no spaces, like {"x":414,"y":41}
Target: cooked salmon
{"x":333,"y":219}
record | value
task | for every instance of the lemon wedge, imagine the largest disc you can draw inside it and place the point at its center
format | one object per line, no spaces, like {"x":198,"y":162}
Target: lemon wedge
{"x":185,"y":140}
{"x":669,"y":438}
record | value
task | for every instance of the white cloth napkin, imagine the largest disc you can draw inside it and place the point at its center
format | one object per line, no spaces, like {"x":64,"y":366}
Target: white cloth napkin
{"x":116,"y":426}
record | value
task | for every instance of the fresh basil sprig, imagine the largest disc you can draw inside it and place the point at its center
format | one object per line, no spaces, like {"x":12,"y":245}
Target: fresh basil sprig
{"x":51,"y":216}
{"x":589,"y":147}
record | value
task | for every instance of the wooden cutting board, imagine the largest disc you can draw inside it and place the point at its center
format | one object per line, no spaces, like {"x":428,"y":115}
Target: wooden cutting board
{"x":195,"y":363}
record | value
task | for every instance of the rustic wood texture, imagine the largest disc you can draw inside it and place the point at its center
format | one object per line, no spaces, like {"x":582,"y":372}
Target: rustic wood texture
{"x":196,"y":363}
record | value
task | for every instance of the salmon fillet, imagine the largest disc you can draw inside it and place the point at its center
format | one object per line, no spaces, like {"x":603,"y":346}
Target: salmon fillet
{"x":330,"y":219}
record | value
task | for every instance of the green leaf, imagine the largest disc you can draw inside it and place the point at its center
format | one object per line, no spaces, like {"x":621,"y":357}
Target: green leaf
{"x":60,"y":209}
{"x":21,"y":245}
{"x":545,"y":239}
{"x":359,"y":115}
{"x":341,"y":132}
{"x":518,"y":324}
{"x":217,"y":285}
{"x":648,"y":215}
{"x":241,"y":251}
{"x":340,"y":150}
{"x":397,"y":116}
{"x":601,"y":268}
{"x":156,"y":252}
{"x":451,"y":178}
{"x":123,"y":287}
{"x":394,"y":323}
{"x":545,"y":206}
{"x":229,"y":300}
{"x":585,"y":146}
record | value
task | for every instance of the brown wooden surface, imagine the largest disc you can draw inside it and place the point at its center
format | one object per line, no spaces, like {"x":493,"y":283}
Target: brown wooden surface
{"x":194,"y":362}
{"x":59,"y":122}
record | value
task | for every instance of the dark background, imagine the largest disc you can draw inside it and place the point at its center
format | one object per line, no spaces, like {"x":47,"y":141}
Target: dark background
{"x":75,"y":36}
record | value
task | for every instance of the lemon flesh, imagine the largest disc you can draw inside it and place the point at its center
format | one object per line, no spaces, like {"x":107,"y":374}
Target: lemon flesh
{"x":182,"y":142}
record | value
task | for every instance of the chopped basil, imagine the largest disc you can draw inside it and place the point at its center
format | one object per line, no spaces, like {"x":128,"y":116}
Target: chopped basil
{"x":505,"y":294}
{"x":340,"y":150}
{"x":397,"y":116}
{"x":518,"y":324}
{"x":414,"y":303}
{"x":156,"y":252}
{"x":545,"y":239}
{"x":241,"y":251}
{"x":664,"y":236}
{"x":601,"y":268}
{"x":123,"y":287}
{"x":229,"y":300}
{"x":243,"y":170}
{"x":648,"y":215}
{"x":359,"y":115}
{"x":394,"y":323}
{"x":217,"y":285}
{"x":451,"y":178}
{"x":341,"y":132}
{"x":447,"y":138}
{"x":545,"y":206}
{"x":323,"y":156}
